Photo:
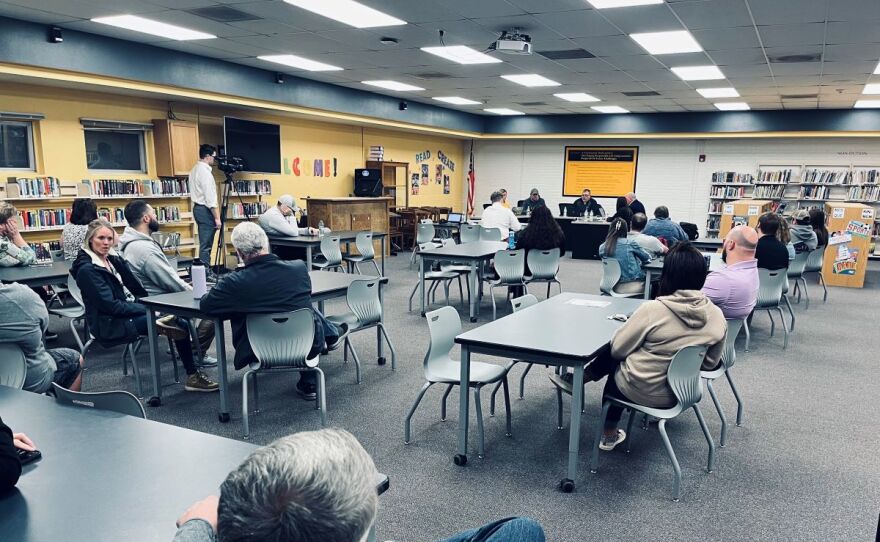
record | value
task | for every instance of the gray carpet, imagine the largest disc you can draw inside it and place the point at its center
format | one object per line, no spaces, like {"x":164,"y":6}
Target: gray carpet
{"x":802,"y":467}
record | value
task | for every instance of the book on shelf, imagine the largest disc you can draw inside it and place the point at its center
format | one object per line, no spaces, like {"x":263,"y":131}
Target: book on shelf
{"x":781,"y":176}
{"x":43,"y":250}
{"x":109,"y":188}
{"x":826,"y":176}
{"x":867,"y":193}
{"x":865,"y":176}
{"x":248,"y":209}
{"x":769,"y":191}
{"x":260,"y":187}
{"x":732,"y":177}
{"x":813,"y":192}
{"x":33,"y":187}
{"x":727,"y":192}
{"x":37,"y":219}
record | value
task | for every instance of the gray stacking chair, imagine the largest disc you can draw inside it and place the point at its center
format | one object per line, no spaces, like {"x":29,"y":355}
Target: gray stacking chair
{"x":435,"y":278}
{"x":365,"y":312}
{"x":491,"y":234}
{"x":424,"y":240}
{"x":543,"y":266}
{"x":13,"y":368}
{"x":169,"y":241}
{"x":331,"y":254}
{"x":511,"y":268}
{"x":364,"y":243}
{"x":610,"y":277}
{"x":771,"y":285}
{"x":517,"y":304}
{"x":683,"y":377}
{"x":814,"y":265}
{"x":468,"y":233}
{"x":76,"y":313}
{"x":796,"y":269}
{"x":443,"y":325}
{"x":281,"y":342}
{"x":728,"y":358}
{"x":114,"y":401}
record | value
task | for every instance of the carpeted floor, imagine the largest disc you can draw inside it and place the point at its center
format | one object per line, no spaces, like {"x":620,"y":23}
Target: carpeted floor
{"x":804,"y":465}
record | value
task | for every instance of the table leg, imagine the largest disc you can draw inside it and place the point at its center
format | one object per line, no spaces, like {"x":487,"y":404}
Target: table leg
{"x":156,"y":399}
{"x":383,"y":255}
{"x":647,"y":284}
{"x":574,"y":431}
{"x":474,"y":295}
{"x":220,"y":339}
{"x":422,"y":285}
{"x":464,"y":392}
{"x":379,"y":345}
{"x":309,"y":257}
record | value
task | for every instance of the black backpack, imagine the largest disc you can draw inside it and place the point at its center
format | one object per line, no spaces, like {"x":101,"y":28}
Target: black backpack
{"x":690,"y":229}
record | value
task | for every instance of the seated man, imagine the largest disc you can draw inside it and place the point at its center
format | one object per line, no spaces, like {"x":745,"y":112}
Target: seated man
{"x":534,"y":200}
{"x":23,"y":319}
{"x":649,"y":243}
{"x":498,"y":216}
{"x":10,"y":465}
{"x":662,"y":226}
{"x":313,"y":486}
{"x":266,"y":284}
{"x":586,"y":205}
{"x":734,"y":289}
{"x":152,"y":268}
{"x":633,"y":201}
{"x":13,"y":248}
{"x":280,"y":220}
{"x":802,"y":234}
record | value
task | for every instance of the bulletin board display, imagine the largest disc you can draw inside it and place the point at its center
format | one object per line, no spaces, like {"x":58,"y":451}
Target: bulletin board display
{"x":608,"y":172}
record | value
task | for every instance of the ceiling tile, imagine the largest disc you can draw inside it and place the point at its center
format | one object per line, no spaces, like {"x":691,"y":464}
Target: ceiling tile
{"x":854,"y":10}
{"x":610,"y":45}
{"x":650,"y":18}
{"x":753,"y":70}
{"x":35,"y":15}
{"x":547,"y":6}
{"x":859,"y":69}
{"x":528,"y":24}
{"x":788,"y":11}
{"x":792,"y":34}
{"x":852,"y":32}
{"x":740,"y":37}
{"x":738,"y":57}
{"x":853,"y":53}
{"x":698,"y":15}
{"x":416,"y":12}
{"x":578,"y":24}
{"x":483,"y":8}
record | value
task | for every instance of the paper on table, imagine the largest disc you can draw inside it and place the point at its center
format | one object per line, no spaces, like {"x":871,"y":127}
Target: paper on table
{"x":587,"y":303}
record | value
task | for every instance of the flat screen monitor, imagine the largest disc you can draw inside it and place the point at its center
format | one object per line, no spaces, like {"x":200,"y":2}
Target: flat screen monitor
{"x":257,"y":143}
{"x":455,"y":218}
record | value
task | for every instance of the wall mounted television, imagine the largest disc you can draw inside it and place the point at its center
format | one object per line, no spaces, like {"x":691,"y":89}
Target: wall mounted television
{"x":257,"y":143}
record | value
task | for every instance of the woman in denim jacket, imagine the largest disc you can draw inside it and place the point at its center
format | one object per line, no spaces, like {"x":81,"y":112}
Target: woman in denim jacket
{"x":628,"y":254}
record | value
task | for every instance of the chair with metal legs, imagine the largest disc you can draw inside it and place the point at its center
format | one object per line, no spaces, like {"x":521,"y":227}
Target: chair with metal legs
{"x":468,"y":233}
{"x":366,"y":252}
{"x":728,"y":358}
{"x":281,"y":342}
{"x":114,"y":401}
{"x":75,"y":312}
{"x":814,"y":265}
{"x":511,"y":268}
{"x":611,"y":275}
{"x":796,"y":270}
{"x":771,"y":285}
{"x":683,"y":377}
{"x":517,"y":304}
{"x":425,"y":234}
{"x":543,"y":267}
{"x":443,"y":326}
{"x":435,"y":278}
{"x":491,"y":234}
{"x":331,"y":254}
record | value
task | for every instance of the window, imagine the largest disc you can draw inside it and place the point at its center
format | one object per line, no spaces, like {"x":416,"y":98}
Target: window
{"x":16,"y":144}
{"x":115,"y":146}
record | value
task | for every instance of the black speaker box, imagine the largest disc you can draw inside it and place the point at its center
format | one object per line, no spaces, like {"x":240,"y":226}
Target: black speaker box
{"x":367,"y":183}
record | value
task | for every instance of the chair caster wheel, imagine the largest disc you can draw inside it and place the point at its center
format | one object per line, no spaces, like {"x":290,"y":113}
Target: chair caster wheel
{"x":406,"y":442}
{"x":508,"y":434}
{"x":473,"y":320}
{"x":491,"y":414}
{"x":223,"y":417}
{"x":460,"y":460}
{"x":722,"y":445}
{"x":593,"y":471}
{"x":154,"y":401}
{"x":381,"y":361}
{"x":674,"y":500}
{"x":559,"y":428}
{"x":566,"y":485}
{"x":423,"y":315}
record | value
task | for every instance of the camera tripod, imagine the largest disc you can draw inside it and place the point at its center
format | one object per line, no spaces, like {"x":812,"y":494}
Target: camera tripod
{"x":218,"y":256}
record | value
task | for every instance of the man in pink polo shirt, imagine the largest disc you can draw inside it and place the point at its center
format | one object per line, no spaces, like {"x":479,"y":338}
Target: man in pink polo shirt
{"x":734,"y":289}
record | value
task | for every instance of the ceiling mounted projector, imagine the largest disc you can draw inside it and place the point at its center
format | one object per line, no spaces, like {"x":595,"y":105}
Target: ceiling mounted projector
{"x":513,"y":43}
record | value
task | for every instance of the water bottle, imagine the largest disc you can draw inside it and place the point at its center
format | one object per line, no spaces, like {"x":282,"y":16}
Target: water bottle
{"x":320,"y":228}
{"x":528,"y":211}
{"x":590,"y":215}
{"x":564,"y":211}
{"x":511,"y":241}
{"x":199,"y":280}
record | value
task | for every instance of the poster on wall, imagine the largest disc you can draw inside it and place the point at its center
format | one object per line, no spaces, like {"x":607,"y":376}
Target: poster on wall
{"x":446,"y":184}
{"x":438,"y":174}
{"x":424,"y":173}
{"x":607,"y":171}
{"x":415,"y":184}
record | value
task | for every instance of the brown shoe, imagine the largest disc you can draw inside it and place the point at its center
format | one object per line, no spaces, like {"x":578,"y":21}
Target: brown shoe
{"x":199,"y":382}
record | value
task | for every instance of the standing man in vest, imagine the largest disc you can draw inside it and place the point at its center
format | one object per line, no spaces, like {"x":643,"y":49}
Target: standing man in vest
{"x":203,"y":192}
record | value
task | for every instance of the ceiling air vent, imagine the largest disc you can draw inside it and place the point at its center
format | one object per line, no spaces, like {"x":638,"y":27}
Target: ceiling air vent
{"x":430,"y":75}
{"x":641,"y":93}
{"x":794,"y":59}
{"x":532,"y":104}
{"x":799,"y":96}
{"x":567,"y":54}
{"x":223,"y":14}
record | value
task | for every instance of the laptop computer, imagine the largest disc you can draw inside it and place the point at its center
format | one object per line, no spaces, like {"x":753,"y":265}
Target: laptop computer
{"x":455,"y":218}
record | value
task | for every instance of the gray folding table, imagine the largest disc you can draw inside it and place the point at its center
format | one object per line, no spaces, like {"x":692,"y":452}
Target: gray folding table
{"x":471,"y":253}
{"x":311,"y":242}
{"x":37,"y":274}
{"x":566,"y":330}
{"x":107,"y":476}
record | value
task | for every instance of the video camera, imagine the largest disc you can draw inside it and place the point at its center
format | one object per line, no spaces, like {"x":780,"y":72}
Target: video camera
{"x":229,"y":164}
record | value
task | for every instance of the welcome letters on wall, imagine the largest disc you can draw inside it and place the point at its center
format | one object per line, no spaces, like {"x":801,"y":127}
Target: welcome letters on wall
{"x":320,"y":167}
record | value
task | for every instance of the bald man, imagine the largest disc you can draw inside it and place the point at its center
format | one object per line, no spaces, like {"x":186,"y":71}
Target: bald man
{"x":734,"y":289}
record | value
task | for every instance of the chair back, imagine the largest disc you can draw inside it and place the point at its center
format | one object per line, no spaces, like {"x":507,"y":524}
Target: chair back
{"x":282,"y":339}
{"x":424,"y":232}
{"x":815,"y":260}
{"x":364,"y":243}
{"x":362,"y":297}
{"x":797,"y":266}
{"x":683,"y":376}
{"x":469,"y":233}
{"x":114,"y":401}
{"x":770,"y":287}
{"x":610,"y":275}
{"x":734,"y":326}
{"x":444,"y":325}
{"x":523,"y":302}
{"x":74,"y":291}
{"x":510,"y":266}
{"x":491,"y":234}
{"x":543,"y":264}
{"x":57,"y":255}
{"x":168,"y":241}
{"x":13,"y":368}
{"x":330,"y":249}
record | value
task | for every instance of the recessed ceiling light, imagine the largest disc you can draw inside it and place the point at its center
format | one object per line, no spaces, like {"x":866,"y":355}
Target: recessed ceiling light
{"x":609,"y":109}
{"x":872,"y":88}
{"x":531,"y":80}
{"x":392,"y":85}
{"x":665,"y":43}
{"x":149,"y":26}
{"x":456,"y":100}
{"x":503,"y":111}
{"x":867,"y":104}
{"x":606,"y":4}
{"x":722,"y":92}
{"x":698,"y":73}
{"x":462,"y":54}
{"x":349,"y":12}
{"x":733,"y":106}
{"x":577,"y":97}
{"x":299,"y":62}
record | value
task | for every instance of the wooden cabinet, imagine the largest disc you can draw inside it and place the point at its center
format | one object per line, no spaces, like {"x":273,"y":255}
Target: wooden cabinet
{"x":846,"y":258}
{"x":395,"y":180}
{"x":743,"y":211}
{"x":347,"y":214}
{"x":177,"y":147}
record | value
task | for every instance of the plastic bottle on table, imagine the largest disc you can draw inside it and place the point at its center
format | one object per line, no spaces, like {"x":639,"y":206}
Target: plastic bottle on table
{"x":320,"y":228}
{"x":511,"y":240}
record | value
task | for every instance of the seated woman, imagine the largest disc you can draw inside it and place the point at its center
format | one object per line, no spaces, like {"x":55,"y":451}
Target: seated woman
{"x":817,"y":221}
{"x":543,"y":233}
{"x":113,"y":318}
{"x":622,"y":211}
{"x":629,"y":254}
{"x":82,"y":213}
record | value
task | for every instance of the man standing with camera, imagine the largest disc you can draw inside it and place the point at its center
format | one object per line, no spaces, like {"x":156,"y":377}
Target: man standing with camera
{"x":203,"y":192}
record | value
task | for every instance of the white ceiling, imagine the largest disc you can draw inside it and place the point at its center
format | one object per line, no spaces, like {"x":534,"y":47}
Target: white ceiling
{"x":737,"y":35}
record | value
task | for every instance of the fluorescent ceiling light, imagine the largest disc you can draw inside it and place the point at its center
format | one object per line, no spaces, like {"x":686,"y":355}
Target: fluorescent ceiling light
{"x":867,"y":104}
{"x":733,"y":106}
{"x":609,"y":109}
{"x":877,"y":69}
{"x":872,"y":88}
{"x":503,"y":111}
{"x":698,"y":73}
{"x":299,"y":62}
{"x":149,"y":26}
{"x":577,"y":97}
{"x":349,"y":12}
{"x":722,"y":92}
{"x":606,"y":4}
{"x":666,"y":43}
{"x":531,"y":80}
{"x":461,"y":54}
{"x":456,"y":100}
{"x":392,"y":85}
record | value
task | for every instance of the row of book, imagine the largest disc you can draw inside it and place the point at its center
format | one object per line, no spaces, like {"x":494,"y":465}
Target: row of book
{"x":727,"y":192}
{"x":252,"y":187}
{"x":864,"y":193}
{"x":827,"y":176}
{"x":137,"y":187}
{"x":813,"y":192}
{"x":782,"y":176}
{"x":716,"y":206}
{"x":770,"y":191}
{"x":43,"y":251}
{"x":732,"y":177}
{"x":714,"y":223}
{"x":39,"y":219}
{"x":37,"y":187}
{"x":248,"y":209}
{"x":866,"y":176}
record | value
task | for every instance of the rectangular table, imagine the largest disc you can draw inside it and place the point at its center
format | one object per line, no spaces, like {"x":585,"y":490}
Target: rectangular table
{"x":325,"y":285}
{"x":471,"y":253}
{"x":557,"y":332}
{"x":107,"y":476}
{"x":655,"y":267}
{"x":311,"y":242}
{"x":50,"y":273}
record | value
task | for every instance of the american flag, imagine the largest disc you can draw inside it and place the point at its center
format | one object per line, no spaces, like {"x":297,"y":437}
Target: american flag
{"x":472,"y":177}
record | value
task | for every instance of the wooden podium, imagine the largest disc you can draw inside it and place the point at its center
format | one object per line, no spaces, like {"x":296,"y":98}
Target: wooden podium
{"x":845,"y":262}
{"x":347,"y":213}
{"x":744,"y":211}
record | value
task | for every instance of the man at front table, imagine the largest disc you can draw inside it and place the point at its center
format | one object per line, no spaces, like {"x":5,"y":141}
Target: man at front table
{"x":281,"y":220}
{"x":532,"y":202}
{"x":586,"y":205}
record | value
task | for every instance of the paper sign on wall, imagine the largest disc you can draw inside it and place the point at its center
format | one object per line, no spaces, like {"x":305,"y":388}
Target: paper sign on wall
{"x":753,"y":210}
{"x":838,"y":238}
{"x":837,"y":212}
{"x":867,"y":214}
{"x":859,"y":229}
{"x":740,"y":221}
{"x":842,"y":252}
{"x":728,"y":208}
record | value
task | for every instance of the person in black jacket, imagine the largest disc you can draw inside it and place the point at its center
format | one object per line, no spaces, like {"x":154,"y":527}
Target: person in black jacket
{"x":10,"y":465}
{"x":585,"y":205}
{"x":267,"y":284}
{"x":770,"y":251}
{"x":113,"y":318}
{"x":635,"y":204}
